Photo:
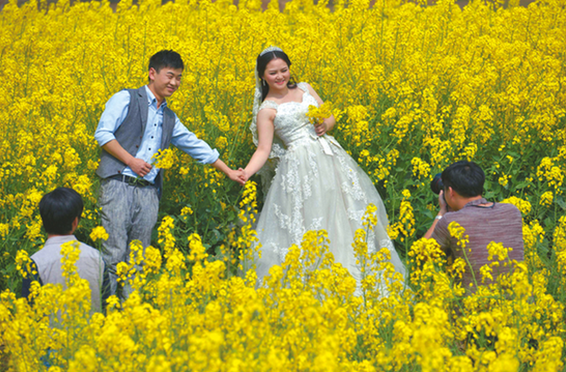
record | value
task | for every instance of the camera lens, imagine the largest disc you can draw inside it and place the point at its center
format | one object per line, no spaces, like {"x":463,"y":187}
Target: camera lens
{"x":436,"y":184}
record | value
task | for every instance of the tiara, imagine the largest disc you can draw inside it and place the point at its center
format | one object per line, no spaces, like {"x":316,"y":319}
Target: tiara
{"x":270,"y":49}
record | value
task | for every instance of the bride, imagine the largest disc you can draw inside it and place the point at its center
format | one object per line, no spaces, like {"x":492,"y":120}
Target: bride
{"x":317,"y":185}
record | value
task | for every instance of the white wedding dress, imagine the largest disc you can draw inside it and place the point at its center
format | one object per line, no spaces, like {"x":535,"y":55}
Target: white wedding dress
{"x":317,"y":185}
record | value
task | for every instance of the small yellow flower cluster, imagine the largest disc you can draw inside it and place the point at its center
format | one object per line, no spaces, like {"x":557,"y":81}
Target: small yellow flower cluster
{"x":165,"y":159}
{"x":405,"y":226}
{"x":421,"y":169}
{"x":503,"y":180}
{"x":70,"y":252}
{"x":553,"y":175}
{"x":378,"y":276}
{"x":523,"y":205}
{"x":317,"y":115}
{"x":357,"y":126}
{"x":497,"y":249}
{"x":243,"y":239}
{"x":98,"y":233}
{"x":166,"y":238}
{"x":470,"y":151}
{"x":4,"y":229}
{"x":221,"y":142}
{"x":370,"y":216}
{"x":152,"y":260}
{"x":198,"y":251}
{"x":459,"y":233}
{"x":128,"y":272}
{"x":23,"y":264}
{"x":425,"y":259}
{"x":533,"y":236}
{"x":560,"y":247}
{"x":186,"y":211}
{"x":546,"y":198}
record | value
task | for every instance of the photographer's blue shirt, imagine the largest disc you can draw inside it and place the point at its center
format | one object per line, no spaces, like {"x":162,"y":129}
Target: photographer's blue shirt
{"x":114,"y":115}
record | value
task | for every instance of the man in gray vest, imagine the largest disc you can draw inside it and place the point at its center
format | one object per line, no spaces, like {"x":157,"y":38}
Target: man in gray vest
{"x":135,"y":125}
{"x":60,"y":212}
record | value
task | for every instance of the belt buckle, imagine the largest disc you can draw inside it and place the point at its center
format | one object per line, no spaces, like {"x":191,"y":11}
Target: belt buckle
{"x":137,"y":181}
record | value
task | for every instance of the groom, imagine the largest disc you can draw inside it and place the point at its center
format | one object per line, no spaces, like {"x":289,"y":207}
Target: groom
{"x":135,"y":125}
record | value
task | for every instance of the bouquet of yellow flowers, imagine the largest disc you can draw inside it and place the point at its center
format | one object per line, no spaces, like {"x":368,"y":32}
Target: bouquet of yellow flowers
{"x":317,"y":115}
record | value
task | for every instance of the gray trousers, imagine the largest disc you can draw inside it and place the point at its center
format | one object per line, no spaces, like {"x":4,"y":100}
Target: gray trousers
{"x":127,"y":213}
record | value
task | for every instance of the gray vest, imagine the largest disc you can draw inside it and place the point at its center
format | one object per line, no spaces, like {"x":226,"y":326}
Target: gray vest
{"x":129,"y":135}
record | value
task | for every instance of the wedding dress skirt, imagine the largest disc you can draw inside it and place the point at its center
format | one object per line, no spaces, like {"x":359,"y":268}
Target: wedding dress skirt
{"x":317,"y":185}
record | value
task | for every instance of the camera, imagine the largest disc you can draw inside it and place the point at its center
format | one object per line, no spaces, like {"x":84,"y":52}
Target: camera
{"x":436,"y":184}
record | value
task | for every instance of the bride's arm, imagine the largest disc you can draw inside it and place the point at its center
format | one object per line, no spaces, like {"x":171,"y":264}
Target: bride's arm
{"x":328,"y":123}
{"x":265,"y":130}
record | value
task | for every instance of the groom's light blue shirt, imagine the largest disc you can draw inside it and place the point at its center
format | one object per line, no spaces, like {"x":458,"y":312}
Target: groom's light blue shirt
{"x":116,"y":111}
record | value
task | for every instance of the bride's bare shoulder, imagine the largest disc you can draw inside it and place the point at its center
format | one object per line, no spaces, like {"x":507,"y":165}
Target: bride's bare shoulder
{"x":267,"y":113}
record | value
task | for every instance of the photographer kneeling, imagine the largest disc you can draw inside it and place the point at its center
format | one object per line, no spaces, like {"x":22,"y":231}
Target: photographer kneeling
{"x":461,"y":201}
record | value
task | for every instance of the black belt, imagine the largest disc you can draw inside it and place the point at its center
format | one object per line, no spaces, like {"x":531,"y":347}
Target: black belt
{"x":132,"y":181}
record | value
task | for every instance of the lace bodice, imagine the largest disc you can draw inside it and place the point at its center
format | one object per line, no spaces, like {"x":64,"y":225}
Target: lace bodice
{"x":291,"y":123}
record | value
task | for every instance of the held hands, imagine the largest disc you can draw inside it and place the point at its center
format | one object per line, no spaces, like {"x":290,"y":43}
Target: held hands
{"x":140,"y":167}
{"x":237,"y":176}
{"x":234,"y":175}
{"x":244,"y":176}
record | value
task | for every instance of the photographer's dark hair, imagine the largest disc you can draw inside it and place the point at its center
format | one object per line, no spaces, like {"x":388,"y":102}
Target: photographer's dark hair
{"x":166,"y":58}
{"x":263,"y":60}
{"x":58,"y":210}
{"x":465,"y":177}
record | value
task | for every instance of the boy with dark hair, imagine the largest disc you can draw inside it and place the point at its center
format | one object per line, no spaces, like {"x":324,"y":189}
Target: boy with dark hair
{"x":60,"y":212}
{"x":461,"y":201}
{"x":135,"y":125}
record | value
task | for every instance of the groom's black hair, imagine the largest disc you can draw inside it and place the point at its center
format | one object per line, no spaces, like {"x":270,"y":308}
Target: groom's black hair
{"x":261,"y":63}
{"x":166,"y":58}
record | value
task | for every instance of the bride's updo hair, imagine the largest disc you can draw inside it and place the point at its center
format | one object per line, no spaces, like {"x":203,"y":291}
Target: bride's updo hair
{"x":261,"y":63}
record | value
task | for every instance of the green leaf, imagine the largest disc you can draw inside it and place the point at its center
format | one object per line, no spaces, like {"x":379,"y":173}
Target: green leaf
{"x":560,"y":201}
{"x":521,"y":185}
{"x":548,"y":221}
{"x":427,"y":213}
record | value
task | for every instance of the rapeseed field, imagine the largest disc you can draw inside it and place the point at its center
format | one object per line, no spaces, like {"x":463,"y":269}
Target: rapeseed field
{"x":414,"y":88}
